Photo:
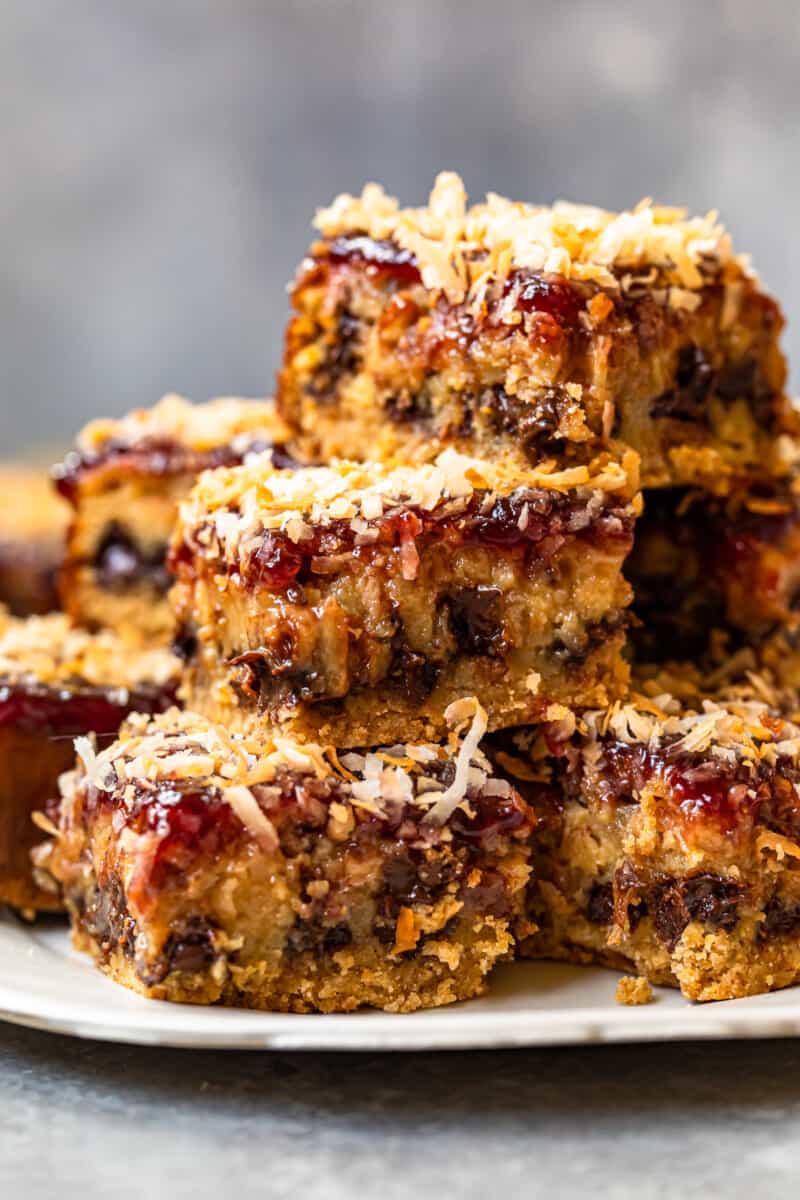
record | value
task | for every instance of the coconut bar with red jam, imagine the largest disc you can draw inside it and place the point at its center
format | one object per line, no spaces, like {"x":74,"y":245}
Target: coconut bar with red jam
{"x":669,"y":839}
{"x":124,"y":481}
{"x":353,"y":604}
{"x":204,"y":867}
{"x":507,"y":328}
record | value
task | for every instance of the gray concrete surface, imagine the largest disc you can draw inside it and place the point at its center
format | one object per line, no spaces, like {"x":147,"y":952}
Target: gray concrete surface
{"x":81,"y":1120}
{"x":161,"y":162}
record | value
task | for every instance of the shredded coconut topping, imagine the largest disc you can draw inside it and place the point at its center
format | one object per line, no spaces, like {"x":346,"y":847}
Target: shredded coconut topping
{"x":196,"y":426}
{"x":50,"y":650}
{"x":177,"y":747}
{"x":739,"y":727}
{"x":461,"y":250}
{"x":241,"y":502}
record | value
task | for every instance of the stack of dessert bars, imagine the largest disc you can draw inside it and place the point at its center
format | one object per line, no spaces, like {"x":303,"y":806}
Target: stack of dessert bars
{"x":483,"y":636}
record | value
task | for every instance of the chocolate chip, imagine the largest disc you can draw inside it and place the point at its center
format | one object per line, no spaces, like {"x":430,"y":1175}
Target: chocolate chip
{"x":711,"y":899}
{"x":694,"y":379}
{"x":600,"y":905}
{"x":781,"y":917}
{"x":476,"y":623}
{"x":120,"y":562}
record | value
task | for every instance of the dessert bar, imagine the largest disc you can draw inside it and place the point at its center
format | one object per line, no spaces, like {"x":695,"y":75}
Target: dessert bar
{"x":33,"y":523}
{"x":124,"y":481}
{"x":56,"y":683}
{"x":204,"y":867}
{"x":353,"y":604}
{"x":505,"y":327}
{"x":669,"y":840}
{"x":702,"y":564}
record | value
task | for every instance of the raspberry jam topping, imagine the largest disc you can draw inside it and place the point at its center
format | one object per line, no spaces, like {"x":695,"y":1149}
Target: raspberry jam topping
{"x":383,"y":257}
{"x":67,"y":713}
{"x":554,"y":296}
{"x":700,"y":791}
{"x":537,"y":522}
{"x":534,"y":293}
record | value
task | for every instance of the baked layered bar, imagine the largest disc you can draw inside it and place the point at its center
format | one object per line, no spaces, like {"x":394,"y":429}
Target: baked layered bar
{"x":58,"y":683}
{"x":702,"y":565}
{"x":33,"y":523}
{"x":206,"y":868}
{"x":670,"y":840}
{"x":505,"y":327}
{"x":353,"y":604}
{"x":124,"y":481}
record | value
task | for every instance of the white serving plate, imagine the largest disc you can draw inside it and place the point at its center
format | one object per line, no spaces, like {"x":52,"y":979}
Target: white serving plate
{"x":45,"y":985}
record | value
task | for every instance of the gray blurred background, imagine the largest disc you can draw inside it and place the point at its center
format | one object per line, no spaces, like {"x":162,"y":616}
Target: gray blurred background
{"x":161,"y":159}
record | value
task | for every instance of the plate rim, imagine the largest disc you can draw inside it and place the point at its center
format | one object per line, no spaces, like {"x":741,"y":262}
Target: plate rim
{"x":456,"y":1027}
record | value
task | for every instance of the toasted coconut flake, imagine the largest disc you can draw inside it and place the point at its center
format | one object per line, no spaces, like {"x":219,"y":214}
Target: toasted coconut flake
{"x":463,"y":251}
{"x":455,"y":714}
{"x":229,"y":510}
{"x":221,"y":422}
{"x":50,"y":650}
{"x":177,"y":747}
{"x":247,"y":809}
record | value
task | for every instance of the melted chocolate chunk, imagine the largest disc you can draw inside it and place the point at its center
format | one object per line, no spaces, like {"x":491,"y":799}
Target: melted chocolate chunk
{"x":707,"y":898}
{"x":120,"y":563}
{"x":406,"y":407}
{"x":781,"y":917}
{"x":192,"y":949}
{"x":411,"y":672}
{"x":185,"y":644}
{"x":104,"y":914}
{"x":600,"y":905}
{"x":342,"y":357}
{"x":411,"y":879}
{"x":476,"y":622}
{"x":694,"y":380}
{"x":316,"y":937}
{"x":535,"y":426}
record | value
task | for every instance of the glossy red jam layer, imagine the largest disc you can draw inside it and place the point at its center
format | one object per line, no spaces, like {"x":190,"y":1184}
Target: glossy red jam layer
{"x":379,"y":257}
{"x":701,"y":790}
{"x":157,"y":457}
{"x":73,"y":711}
{"x":199,"y":822}
{"x":536,"y":523}
{"x":383,"y":258}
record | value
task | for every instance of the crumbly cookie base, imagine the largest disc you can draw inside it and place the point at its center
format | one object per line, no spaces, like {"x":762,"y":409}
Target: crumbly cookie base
{"x":140,"y":612}
{"x":448,"y":969}
{"x":387,"y":715}
{"x":705,"y":965}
